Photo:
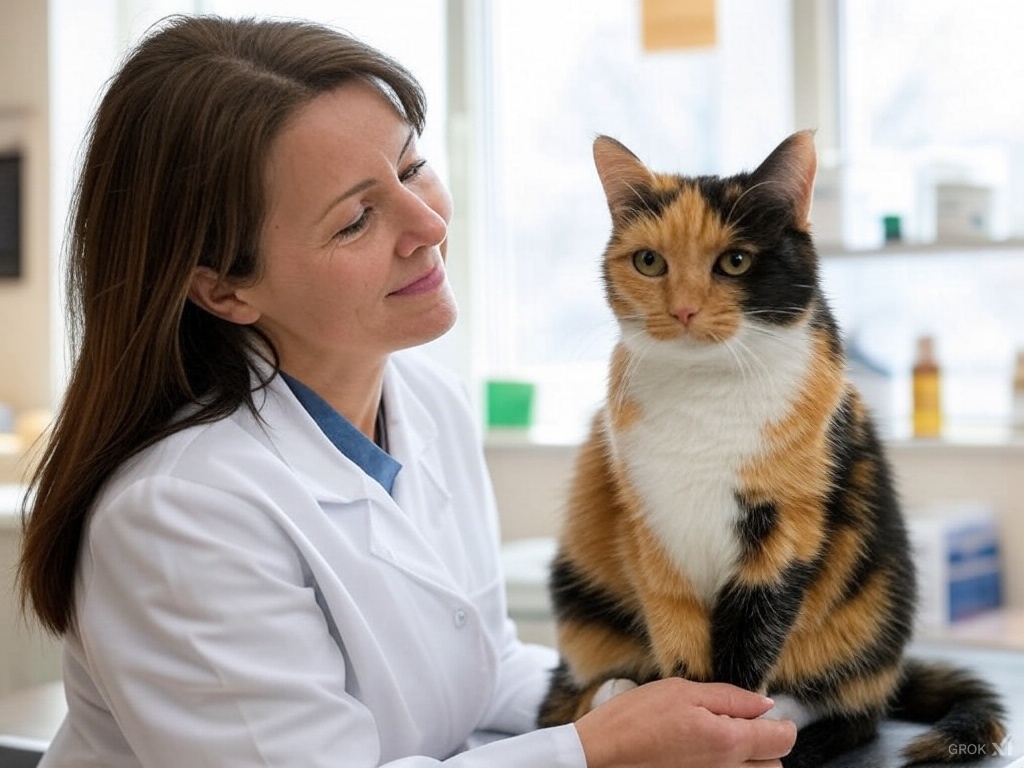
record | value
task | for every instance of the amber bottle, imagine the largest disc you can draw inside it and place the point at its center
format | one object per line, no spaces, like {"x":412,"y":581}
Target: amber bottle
{"x":927,"y":381}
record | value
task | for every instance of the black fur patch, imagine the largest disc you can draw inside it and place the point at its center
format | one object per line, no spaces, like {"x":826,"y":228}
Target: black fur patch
{"x":576,"y":599}
{"x":820,"y":741}
{"x":756,"y":523}
{"x":749,"y":626}
{"x":649,"y":203}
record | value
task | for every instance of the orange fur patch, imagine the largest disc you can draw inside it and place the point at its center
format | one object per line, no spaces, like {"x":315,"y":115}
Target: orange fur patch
{"x":677,"y":620}
{"x":596,"y":520}
{"x":819,"y":643}
{"x":624,"y":412}
{"x":871,"y":693}
{"x":596,"y":653}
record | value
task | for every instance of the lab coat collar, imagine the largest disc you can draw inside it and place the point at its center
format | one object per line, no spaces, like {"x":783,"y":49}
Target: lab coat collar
{"x":326,"y":472}
{"x":402,"y":527}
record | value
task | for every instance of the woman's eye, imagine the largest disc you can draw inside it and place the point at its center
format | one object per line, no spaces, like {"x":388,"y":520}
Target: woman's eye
{"x":650,"y":263}
{"x":356,"y":226}
{"x":412,"y":171}
{"x":734,"y":263}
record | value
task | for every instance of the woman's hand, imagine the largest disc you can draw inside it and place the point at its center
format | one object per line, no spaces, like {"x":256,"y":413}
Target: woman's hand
{"x":682,"y":724}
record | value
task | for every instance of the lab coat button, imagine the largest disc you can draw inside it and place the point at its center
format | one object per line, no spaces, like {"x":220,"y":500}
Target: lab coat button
{"x":459,"y":617}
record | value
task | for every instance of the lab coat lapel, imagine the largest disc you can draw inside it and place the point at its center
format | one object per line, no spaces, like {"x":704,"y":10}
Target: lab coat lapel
{"x":406,"y":531}
{"x":418,"y":540}
{"x":414,"y":437}
{"x":329,"y":475}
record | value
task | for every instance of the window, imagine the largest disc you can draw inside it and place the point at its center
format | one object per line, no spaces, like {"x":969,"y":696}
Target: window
{"x":928,"y":95}
{"x":559,"y":74}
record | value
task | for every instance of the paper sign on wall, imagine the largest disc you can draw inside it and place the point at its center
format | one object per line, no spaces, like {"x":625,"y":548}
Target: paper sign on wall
{"x":677,"y":24}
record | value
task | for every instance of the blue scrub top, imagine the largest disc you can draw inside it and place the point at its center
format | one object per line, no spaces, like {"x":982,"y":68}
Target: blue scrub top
{"x":366,"y":454}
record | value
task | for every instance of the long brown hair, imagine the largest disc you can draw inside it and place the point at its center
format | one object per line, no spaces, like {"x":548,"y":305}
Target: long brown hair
{"x":172,"y":179}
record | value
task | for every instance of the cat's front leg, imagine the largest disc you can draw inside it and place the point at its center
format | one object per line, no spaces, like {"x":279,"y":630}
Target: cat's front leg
{"x":609,"y":689}
{"x":787,"y":707}
{"x":601,"y":637}
{"x":751,"y":622}
{"x":568,"y":701}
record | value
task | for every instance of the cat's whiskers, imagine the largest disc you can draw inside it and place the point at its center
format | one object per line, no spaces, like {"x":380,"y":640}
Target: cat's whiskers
{"x":742,"y":351}
{"x":731,"y":345}
{"x":638,"y":343}
{"x":782,"y":341}
{"x":776,"y":311}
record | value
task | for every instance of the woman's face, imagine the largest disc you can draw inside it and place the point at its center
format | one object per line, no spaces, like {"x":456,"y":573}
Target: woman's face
{"x":354,"y":243}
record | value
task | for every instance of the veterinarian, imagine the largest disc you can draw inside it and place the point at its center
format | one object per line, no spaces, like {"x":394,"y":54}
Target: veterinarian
{"x":265,"y":533}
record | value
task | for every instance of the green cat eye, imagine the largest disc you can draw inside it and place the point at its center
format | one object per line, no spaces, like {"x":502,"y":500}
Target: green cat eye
{"x":650,"y":263}
{"x":734,"y":263}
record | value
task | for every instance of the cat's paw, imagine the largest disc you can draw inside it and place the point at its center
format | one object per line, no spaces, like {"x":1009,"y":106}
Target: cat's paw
{"x":609,"y":689}
{"x":788,"y":708}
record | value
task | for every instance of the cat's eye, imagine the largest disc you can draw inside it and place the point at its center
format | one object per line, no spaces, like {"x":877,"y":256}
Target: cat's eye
{"x":734,"y":263}
{"x":650,"y":263}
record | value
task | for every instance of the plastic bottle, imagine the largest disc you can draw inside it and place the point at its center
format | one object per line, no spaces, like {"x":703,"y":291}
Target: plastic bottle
{"x":927,"y":379}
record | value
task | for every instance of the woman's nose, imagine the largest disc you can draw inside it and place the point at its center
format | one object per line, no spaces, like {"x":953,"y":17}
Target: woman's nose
{"x":424,"y":221}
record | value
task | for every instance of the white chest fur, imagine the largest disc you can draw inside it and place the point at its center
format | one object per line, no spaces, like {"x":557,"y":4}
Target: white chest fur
{"x":704,"y":411}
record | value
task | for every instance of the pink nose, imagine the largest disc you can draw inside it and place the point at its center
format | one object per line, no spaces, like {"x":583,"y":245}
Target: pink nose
{"x":685,"y":314}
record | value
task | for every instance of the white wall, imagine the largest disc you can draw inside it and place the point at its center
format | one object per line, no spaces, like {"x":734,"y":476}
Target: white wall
{"x":27,"y":655}
{"x":24,"y":120}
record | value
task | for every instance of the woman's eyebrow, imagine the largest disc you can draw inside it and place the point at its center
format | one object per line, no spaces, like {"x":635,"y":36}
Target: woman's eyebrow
{"x":408,"y":143}
{"x":366,"y":183}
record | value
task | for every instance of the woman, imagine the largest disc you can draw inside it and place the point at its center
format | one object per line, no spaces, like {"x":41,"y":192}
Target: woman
{"x":267,"y":535}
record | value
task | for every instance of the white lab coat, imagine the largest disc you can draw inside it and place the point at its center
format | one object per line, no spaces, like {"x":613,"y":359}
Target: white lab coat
{"x":248,"y":596}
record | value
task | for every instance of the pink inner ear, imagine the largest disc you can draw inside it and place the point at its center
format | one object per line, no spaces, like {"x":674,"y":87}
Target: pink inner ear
{"x":790,"y":170}
{"x":794,"y":164}
{"x":621,"y":173}
{"x":804,"y":193}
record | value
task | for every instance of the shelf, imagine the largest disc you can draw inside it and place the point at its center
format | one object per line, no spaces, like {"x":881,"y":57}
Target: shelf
{"x":947,"y":247}
{"x":1002,"y":630}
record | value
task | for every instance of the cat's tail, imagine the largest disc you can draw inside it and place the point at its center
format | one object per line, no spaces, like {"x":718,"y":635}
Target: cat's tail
{"x":966,"y":715}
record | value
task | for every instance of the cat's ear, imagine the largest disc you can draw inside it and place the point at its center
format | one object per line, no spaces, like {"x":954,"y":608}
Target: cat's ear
{"x":623,"y":175}
{"x":789,"y":172}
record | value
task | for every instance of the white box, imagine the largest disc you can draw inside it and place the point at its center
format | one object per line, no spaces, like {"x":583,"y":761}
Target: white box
{"x":956,"y":552}
{"x":963,"y":212}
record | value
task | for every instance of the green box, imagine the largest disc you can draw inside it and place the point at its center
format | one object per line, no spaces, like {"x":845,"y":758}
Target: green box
{"x":509,"y":404}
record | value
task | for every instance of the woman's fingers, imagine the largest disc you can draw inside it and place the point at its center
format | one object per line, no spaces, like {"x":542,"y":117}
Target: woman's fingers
{"x":723,"y":699}
{"x":682,"y":724}
{"x":771,"y":739}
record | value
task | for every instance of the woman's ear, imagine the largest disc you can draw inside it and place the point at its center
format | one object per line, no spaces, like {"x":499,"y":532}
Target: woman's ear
{"x":220,"y":298}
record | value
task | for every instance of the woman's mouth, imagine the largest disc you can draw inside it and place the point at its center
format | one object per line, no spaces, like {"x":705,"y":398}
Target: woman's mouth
{"x":426,"y":283}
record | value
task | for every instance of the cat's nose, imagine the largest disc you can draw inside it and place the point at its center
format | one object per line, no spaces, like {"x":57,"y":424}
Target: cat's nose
{"x":685,"y":314}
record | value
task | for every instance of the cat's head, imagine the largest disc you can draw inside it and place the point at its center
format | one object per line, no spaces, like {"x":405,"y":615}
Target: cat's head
{"x":698,"y":258}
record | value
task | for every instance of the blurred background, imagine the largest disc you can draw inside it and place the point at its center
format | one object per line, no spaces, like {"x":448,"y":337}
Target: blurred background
{"x":914,"y":102}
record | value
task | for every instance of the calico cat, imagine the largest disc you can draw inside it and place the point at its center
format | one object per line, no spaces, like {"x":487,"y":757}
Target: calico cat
{"x":733,"y":517}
